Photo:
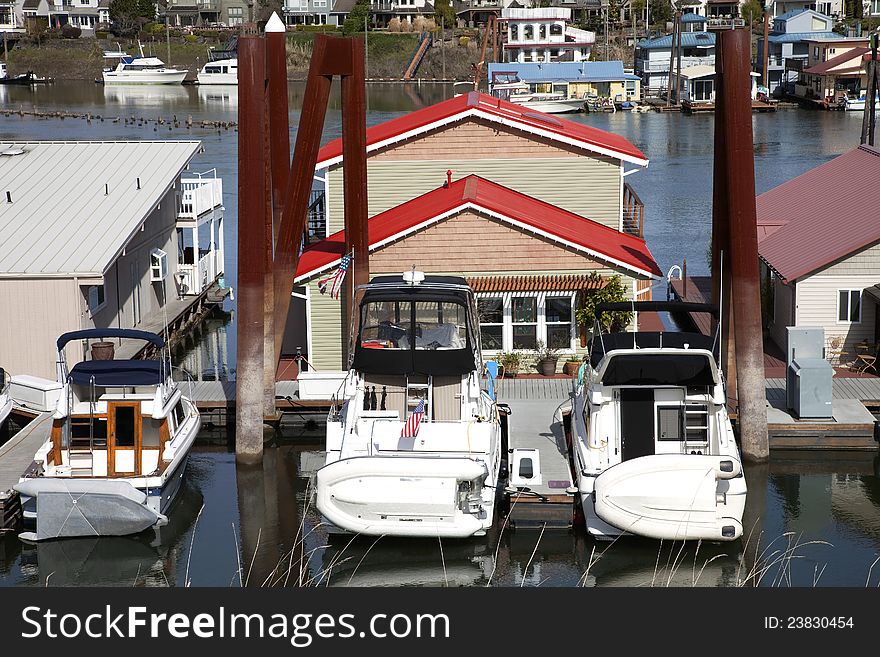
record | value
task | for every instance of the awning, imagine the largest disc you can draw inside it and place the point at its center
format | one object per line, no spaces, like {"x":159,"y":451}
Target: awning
{"x":548,"y":283}
{"x":873,"y":292}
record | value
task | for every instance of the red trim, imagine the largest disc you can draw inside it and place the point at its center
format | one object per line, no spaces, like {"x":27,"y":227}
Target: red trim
{"x":493,"y":109}
{"x":494,"y":199}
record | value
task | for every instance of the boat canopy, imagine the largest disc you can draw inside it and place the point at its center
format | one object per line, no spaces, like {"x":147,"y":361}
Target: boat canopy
{"x":132,"y":334}
{"x":425,"y":328}
{"x":606,"y":343}
{"x":119,"y":373}
{"x":659,"y":369}
{"x":657,"y":307}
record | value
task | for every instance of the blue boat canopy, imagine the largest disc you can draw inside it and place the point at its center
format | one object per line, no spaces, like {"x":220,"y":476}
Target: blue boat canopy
{"x":132,"y":334}
{"x":118,"y":373}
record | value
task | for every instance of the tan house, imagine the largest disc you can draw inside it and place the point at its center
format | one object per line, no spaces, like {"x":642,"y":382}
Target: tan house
{"x":99,"y":234}
{"x":526,"y":260}
{"x":822,"y":263}
{"x":834,"y":67}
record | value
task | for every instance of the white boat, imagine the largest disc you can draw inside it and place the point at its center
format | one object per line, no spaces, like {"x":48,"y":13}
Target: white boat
{"x":851,"y":104}
{"x":653,"y":447}
{"x":549,"y":103}
{"x":140,"y":70}
{"x":120,"y":439}
{"x":5,"y":399}
{"x":221,"y":71}
{"x":418,"y":342}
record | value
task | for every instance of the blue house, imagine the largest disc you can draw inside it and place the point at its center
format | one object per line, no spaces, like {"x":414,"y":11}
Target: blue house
{"x":788,"y":48}
{"x":653,"y":55}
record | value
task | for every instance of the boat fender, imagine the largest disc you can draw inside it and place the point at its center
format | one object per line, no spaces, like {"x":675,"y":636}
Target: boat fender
{"x":62,"y":410}
{"x":728,"y":468}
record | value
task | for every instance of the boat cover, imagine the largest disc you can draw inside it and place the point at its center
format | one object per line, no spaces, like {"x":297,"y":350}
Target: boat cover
{"x":119,"y":373}
{"x":88,"y":507}
{"x":659,"y":369}
{"x":89,"y":334}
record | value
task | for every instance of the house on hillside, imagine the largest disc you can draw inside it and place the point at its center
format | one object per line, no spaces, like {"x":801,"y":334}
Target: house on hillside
{"x":569,"y":174}
{"x":821,"y":263}
{"x":544,"y":34}
{"x":97,"y":235}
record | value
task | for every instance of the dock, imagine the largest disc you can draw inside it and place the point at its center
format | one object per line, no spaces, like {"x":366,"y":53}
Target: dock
{"x":538,"y":412}
{"x":16,"y":456}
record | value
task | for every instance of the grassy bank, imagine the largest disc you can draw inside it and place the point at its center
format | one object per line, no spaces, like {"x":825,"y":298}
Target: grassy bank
{"x":387,"y":56}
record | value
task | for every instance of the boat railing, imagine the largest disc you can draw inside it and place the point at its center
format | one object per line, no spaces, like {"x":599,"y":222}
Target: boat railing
{"x":188,"y":380}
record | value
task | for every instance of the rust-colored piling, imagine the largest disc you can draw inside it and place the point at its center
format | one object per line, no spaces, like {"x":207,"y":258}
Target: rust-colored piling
{"x":251,"y":250}
{"x":745,"y":282}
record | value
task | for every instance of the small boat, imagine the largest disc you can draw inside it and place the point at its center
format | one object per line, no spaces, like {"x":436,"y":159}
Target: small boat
{"x":416,"y":447}
{"x":5,"y":399}
{"x":653,"y":445}
{"x":852,"y":104}
{"x":140,"y":70}
{"x":221,"y":71}
{"x":549,"y":103}
{"x":121,"y":436}
{"x":22,"y":78}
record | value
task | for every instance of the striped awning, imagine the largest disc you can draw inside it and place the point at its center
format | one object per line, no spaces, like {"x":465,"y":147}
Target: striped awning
{"x":534,"y":283}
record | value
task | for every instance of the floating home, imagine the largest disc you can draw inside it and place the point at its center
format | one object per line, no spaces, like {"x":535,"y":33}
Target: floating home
{"x":819,"y":272}
{"x":544,"y":34}
{"x":835,"y":67}
{"x":98,"y":235}
{"x":574,"y":79}
{"x":497,"y":158}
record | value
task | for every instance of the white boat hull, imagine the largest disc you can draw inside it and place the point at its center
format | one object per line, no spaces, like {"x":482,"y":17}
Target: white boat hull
{"x":5,"y":408}
{"x":170,"y":76}
{"x":668,"y":496}
{"x":403,"y":496}
{"x":553,"y":106}
{"x":218,"y":78}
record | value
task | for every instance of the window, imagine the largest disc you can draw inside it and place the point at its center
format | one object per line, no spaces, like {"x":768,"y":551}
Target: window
{"x":96,"y":298}
{"x":875,"y":7}
{"x":491,"y":310}
{"x":525,"y":322}
{"x":557,"y":315}
{"x":151,"y":433}
{"x":849,"y":306}
{"x":158,"y":265}
{"x":669,"y":423}
{"x":179,"y":414}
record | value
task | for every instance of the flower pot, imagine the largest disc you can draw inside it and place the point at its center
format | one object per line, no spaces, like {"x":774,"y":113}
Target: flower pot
{"x":570,"y":367}
{"x":102,"y":351}
{"x":547,"y":366}
{"x":583,"y":336}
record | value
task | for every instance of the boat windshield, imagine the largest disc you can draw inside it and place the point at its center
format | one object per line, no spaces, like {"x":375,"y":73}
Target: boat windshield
{"x":421,"y":325}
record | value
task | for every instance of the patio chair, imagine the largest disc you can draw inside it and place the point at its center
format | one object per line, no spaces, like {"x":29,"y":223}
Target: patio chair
{"x":866,"y":358}
{"x":834,"y":352}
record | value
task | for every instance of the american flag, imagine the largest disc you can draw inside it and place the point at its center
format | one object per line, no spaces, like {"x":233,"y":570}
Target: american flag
{"x":411,"y":426}
{"x":334,"y":280}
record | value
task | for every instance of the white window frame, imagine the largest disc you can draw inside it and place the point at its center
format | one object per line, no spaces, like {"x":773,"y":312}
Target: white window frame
{"x":502,"y":323}
{"x":541,"y":299}
{"x":849,"y":292}
{"x":95,"y":309}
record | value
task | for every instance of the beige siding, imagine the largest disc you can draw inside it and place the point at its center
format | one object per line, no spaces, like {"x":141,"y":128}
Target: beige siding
{"x":817,"y":306}
{"x":864,"y":263}
{"x":588,"y":185}
{"x":457,"y":243}
{"x":36,"y":312}
{"x":325,"y":350}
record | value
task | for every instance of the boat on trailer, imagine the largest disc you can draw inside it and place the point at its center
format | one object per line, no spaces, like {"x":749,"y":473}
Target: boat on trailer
{"x":415,"y":347}
{"x":652,"y":445}
{"x":117,"y":453}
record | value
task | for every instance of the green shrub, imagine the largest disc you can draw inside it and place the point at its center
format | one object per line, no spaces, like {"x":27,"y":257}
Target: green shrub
{"x":464,"y":41}
{"x":71,"y":32}
{"x":191,"y":38}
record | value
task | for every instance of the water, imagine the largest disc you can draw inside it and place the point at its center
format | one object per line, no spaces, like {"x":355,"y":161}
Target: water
{"x":809,"y":521}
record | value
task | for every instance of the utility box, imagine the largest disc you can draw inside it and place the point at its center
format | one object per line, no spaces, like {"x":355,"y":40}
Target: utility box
{"x":808,"y":375}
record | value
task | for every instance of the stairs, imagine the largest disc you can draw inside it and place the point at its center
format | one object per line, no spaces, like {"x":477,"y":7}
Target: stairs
{"x":424,"y":43}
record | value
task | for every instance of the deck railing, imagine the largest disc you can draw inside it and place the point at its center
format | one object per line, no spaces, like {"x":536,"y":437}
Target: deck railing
{"x":633,"y":212}
{"x":200,"y":195}
{"x":316,"y":229}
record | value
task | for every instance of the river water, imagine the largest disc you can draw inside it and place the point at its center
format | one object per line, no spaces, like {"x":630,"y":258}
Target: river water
{"x":811,"y":520}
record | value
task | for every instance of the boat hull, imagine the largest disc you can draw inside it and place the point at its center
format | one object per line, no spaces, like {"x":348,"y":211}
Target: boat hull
{"x":553,"y":106}
{"x":152,"y":77}
{"x":668,"y":496}
{"x":5,"y":408}
{"x":403,"y":496}
{"x":217,"y":78}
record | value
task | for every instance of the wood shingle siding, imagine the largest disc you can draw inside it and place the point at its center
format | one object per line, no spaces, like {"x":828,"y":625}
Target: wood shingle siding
{"x":458,"y":243}
{"x":862,"y":263}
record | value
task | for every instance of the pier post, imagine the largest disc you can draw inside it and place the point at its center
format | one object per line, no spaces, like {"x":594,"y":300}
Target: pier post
{"x":734,"y":74}
{"x":766,"y":53}
{"x":252,"y":263}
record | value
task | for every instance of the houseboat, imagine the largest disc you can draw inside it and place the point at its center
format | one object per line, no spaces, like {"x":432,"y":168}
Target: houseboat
{"x":653,"y":447}
{"x":221,"y":71}
{"x":121,"y":436}
{"x":416,"y":447}
{"x":549,"y":103}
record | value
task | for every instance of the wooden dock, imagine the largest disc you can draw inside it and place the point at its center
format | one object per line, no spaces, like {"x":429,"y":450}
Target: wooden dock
{"x":16,"y":456}
{"x":699,"y":108}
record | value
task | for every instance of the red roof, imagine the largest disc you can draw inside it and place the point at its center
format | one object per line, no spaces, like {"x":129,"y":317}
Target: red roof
{"x":824,"y":67}
{"x":818,"y":217}
{"x":493,"y":109}
{"x":484,"y":196}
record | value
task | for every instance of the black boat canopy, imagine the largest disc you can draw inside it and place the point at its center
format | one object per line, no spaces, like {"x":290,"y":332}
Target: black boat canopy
{"x":118,"y":373}
{"x":88,"y":334}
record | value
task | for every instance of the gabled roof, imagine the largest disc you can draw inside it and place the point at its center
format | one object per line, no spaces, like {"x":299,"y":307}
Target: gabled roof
{"x":495,"y":110}
{"x":501,"y":203}
{"x":691,"y":17}
{"x":812,"y":217}
{"x":797,"y":12}
{"x":76,"y":204}
{"x":688,"y":40}
{"x":853,"y":54}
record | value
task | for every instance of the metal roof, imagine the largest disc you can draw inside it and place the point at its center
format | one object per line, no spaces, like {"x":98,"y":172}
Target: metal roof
{"x":688,"y":40}
{"x":474,"y":193}
{"x":699,"y":71}
{"x":482,"y":106}
{"x":62,"y":220}
{"x":854,"y":55}
{"x":568,"y":71}
{"x":813,"y":224}
{"x":691,"y":17}
{"x":797,"y":37}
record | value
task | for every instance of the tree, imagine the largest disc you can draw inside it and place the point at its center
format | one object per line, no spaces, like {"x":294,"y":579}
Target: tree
{"x":357,"y":18}
{"x":660,"y":10}
{"x":613,"y":11}
{"x":612,"y":290}
{"x":752,"y":10}
{"x":443,"y":10}
{"x":129,"y":16}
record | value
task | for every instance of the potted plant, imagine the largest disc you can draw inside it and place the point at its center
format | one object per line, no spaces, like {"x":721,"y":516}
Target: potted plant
{"x":510,"y":361}
{"x":547,"y":359}
{"x":571,"y":365}
{"x":609,"y":290}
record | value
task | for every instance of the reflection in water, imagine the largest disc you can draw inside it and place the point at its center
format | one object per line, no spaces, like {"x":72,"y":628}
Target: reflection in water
{"x":165,"y":96}
{"x":222,"y":96}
